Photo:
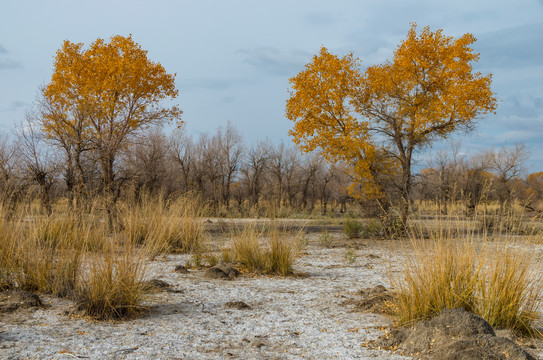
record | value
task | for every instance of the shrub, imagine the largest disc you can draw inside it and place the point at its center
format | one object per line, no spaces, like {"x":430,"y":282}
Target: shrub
{"x":374,"y":228}
{"x":393,"y":227}
{"x":58,"y":256}
{"x":49,"y":253}
{"x":353,"y":228}
{"x":9,"y":253}
{"x":507,"y":224}
{"x":247,"y":249}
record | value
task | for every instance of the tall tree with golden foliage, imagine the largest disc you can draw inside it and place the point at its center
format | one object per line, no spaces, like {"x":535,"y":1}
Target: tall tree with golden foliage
{"x":376,"y":119}
{"x":99,"y":97}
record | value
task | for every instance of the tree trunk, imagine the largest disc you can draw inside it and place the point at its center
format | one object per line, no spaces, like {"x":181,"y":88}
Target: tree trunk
{"x":108,"y":192}
{"x":405,"y":191}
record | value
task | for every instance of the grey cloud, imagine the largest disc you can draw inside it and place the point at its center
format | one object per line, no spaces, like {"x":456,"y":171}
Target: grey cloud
{"x":10,"y":64}
{"x":7,"y":63}
{"x":510,"y":129}
{"x":15,"y":105}
{"x":517,"y":136}
{"x":204,"y":83}
{"x":275,"y":61}
{"x":512,"y":48}
{"x":523,"y":106}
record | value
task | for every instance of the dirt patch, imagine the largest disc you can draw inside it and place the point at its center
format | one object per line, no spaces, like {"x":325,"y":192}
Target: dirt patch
{"x":228,"y":269}
{"x":377,"y":300}
{"x":14,"y":300}
{"x":221,"y":271}
{"x":238,"y":305}
{"x":215,"y":273}
{"x":181,"y":269}
{"x":156,"y":285}
{"x":451,"y":335}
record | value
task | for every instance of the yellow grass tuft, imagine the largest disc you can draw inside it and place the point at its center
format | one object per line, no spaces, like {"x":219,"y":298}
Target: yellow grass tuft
{"x":460,"y":268}
{"x":163,"y":226}
{"x":113,"y":287}
{"x":271,"y":253}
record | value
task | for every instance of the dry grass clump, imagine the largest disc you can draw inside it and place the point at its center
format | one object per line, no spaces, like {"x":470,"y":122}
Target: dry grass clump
{"x":164,"y":226}
{"x":354,"y":229}
{"x":271,"y":253}
{"x":9,"y":253}
{"x":39,"y":255}
{"x":72,"y":257}
{"x":497,"y":280}
{"x":113,"y":286}
{"x":509,"y":224}
{"x":325,"y":239}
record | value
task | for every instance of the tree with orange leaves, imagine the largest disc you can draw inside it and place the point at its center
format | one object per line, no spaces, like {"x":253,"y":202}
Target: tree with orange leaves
{"x":376,"y":119}
{"x":99,"y":97}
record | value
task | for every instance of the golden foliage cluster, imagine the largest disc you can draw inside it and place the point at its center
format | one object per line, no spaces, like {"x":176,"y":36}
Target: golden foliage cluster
{"x":374,"y":119}
{"x":100,"y":95}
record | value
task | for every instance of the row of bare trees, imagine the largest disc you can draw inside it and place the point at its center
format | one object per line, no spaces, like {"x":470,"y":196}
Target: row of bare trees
{"x":219,"y":167}
{"x":244,"y":179}
{"x":231,"y":175}
{"x":493,"y":175}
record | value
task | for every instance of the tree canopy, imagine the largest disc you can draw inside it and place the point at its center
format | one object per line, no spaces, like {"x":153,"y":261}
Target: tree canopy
{"x":375,"y":119}
{"x":98,"y":97}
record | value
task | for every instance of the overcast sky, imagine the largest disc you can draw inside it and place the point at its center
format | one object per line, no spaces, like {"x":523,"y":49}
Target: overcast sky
{"x":233,"y":59}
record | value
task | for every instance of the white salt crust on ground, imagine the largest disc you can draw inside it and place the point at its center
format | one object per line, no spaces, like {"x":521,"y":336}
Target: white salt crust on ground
{"x":290,"y":318}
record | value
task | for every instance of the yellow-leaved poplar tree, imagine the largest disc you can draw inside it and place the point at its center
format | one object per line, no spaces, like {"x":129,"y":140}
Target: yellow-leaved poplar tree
{"x":101,"y":96}
{"x":375,"y":119}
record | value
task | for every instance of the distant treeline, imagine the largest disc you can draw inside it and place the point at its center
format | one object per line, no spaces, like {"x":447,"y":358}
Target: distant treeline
{"x":235,"y":179}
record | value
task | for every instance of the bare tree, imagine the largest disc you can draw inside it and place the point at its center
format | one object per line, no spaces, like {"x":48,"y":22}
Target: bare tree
{"x":67,"y":131}
{"x":535,"y":188}
{"x":476,"y":181}
{"x":311,"y":166}
{"x":445,"y":169}
{"x":278,"y":166}
{"x":229,"y":149}
{"x":8,"y":165}
{"x":507,"y":164}
{"x":144,"y":162}
{"x":40,"y":162}
{"x":181,"y":152}
{"x":292,"y":175}
{"x":254,"y":169}
{"x":326,"y":176}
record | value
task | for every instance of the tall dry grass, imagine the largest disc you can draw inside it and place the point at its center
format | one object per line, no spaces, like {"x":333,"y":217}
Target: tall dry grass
{"x":113,"y":286}
{"x":39,"y":254}
{"x":270,"y":251}
{"x":74,"y":257}
{"x":164,"y":226}
{"x":460,"y":267}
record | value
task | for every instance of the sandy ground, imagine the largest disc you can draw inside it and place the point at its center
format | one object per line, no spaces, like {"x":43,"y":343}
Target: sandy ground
{"x":289,"y":318}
